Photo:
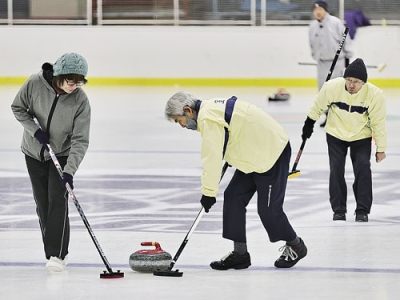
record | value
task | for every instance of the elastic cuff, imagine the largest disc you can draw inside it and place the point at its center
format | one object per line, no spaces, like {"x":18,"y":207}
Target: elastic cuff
{"x":309,"y":121}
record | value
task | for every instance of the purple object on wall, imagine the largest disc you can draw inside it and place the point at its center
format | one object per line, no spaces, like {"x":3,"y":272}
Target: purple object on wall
{"x":355,"y":19}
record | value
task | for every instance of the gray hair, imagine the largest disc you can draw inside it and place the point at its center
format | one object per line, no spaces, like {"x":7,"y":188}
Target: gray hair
{"x":177,"y":102}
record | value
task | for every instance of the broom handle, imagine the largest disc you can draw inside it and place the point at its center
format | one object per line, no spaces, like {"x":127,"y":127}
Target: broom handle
{"x":193,"y":227}
{"x":77,"y":205}
{"x":337,"y":54}
{"x":327,"y":79}
{"x":296,"y":162}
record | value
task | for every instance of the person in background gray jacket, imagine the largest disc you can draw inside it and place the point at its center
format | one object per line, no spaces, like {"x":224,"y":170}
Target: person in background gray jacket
{"x":325,"y":34}
{"x":55,"y":98}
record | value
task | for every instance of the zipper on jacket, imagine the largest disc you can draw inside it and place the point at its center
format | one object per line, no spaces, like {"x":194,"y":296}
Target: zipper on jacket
{"x":269,"y":194}
{"x":53,"y":107}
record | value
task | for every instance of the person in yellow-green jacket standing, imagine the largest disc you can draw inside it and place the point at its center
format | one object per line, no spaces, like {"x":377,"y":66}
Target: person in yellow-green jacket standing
{"x":258,"y":147}
{"x":357,"y":113}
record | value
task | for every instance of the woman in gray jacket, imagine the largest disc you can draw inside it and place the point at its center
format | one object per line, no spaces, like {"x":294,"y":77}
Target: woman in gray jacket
{"x":55,"y":99}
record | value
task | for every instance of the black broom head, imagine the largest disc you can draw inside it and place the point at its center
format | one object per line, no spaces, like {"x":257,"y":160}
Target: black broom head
{"x":111,"y":275}
{"x":168,"y":273}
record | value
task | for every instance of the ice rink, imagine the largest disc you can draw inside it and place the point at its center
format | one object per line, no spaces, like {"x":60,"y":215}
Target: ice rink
{"x":140,"y":181}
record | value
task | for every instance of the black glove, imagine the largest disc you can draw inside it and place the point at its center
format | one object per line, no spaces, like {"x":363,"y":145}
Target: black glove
{"x":67,"y":179}
{"x":308,"y":128}
{"x":207,"y":202}
{"x":42,"y":137}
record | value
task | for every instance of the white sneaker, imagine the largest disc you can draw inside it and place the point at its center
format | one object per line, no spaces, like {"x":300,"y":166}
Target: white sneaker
{"x":56,"y":264}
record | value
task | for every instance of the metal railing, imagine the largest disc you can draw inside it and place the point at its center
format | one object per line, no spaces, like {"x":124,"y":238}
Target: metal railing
{"x":186,"y":12}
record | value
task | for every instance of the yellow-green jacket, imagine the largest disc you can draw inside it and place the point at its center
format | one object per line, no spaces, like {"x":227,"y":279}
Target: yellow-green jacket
{"x":255,"y":142}
{"x":352,"y":117}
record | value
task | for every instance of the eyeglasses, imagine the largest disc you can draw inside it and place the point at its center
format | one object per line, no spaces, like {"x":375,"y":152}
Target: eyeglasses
{"x":355,"y":82}
{"x":72,"y":83}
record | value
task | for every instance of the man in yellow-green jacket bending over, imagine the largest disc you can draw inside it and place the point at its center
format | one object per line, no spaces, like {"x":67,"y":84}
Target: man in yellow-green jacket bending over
{"x":357,"y":112}
{"x":258,"y":147}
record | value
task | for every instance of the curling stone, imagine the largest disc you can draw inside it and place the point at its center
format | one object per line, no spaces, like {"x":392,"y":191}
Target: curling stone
{"x":281,"y":95}
{"x":150,"y":260}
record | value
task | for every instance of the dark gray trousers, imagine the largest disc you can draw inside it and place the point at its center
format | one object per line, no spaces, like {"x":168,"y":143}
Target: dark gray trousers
{"x":270,"y":187}
{"x":51,"y":205}
{"x":360,"y":155}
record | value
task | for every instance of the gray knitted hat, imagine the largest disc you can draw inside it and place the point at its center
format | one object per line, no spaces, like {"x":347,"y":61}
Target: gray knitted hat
{"x":70,"y":63}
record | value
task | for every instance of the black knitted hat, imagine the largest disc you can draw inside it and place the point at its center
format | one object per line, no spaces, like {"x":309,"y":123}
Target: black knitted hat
{"x":321,"y":3}
{"x":357,"y":69}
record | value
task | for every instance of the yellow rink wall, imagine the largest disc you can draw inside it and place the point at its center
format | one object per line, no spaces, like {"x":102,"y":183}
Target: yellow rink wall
{"x":192,"y":55}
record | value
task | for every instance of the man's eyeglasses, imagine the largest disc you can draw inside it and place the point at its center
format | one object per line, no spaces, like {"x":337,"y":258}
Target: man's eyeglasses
{"x":355,"y":82}
{"x":72,"y":83}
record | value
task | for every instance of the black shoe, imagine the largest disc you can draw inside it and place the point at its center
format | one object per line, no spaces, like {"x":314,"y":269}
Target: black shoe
{"x":232,"y":260}
{"x":339,"y":216}
{"x":361,"y":216}
{"x":291,"y":255}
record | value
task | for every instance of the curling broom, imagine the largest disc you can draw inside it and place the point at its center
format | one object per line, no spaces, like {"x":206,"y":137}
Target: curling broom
{"x":294,"y":173}
{"x":106,"y":274}
{"x":169,"y":272}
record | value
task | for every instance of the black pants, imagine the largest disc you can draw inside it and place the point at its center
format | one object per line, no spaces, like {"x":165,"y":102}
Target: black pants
{"x":51,"y":205}
{"x":270,"y":187}
{"x":360,"y":154}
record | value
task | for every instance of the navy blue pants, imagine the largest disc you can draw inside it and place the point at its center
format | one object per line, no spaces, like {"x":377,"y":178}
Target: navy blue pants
{"x":51,"y":205}
{"x":360,"y":155}
{"x":270,"y":187}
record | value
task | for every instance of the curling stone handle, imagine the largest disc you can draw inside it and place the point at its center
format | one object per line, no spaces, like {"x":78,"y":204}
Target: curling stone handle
{"x":157,"y":245}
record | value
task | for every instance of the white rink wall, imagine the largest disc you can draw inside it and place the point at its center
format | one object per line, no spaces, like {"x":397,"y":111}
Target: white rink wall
{"x":187,"y":52}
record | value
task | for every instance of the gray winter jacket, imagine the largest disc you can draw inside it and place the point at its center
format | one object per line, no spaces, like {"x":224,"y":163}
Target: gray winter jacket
{"x":68,"y":125}
{"x":324,"y":39}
